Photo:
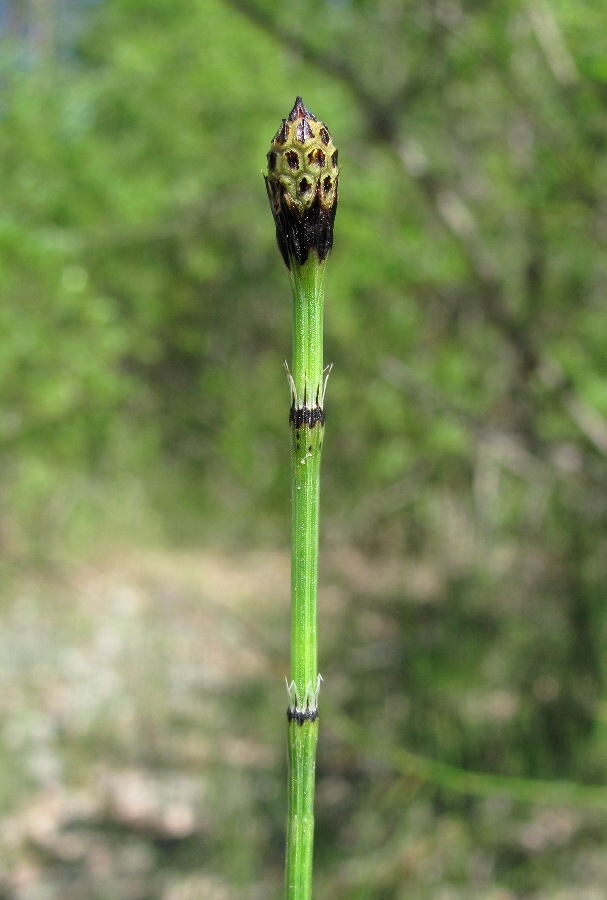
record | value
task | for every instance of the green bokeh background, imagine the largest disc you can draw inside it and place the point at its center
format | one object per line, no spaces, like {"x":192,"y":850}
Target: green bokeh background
{"x":144,"y":318}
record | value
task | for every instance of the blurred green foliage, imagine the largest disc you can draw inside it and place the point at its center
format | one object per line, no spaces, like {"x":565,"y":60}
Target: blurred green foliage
{"x":145,"y":315}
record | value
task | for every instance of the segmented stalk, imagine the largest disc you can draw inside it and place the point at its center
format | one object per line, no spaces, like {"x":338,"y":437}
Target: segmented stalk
{"x":302,"y":189}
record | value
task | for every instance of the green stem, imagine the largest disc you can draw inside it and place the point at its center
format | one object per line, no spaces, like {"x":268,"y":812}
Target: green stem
{"x":307,"y":429}
{"x":307,"y":284}
{"x":300,"y":822}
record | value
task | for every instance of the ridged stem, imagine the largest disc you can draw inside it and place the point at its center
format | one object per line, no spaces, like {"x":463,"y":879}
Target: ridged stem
{"x":300,"y":823}
{"x":307,"y":431}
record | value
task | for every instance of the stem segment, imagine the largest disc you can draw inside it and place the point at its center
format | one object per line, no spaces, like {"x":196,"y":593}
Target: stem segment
{"x":300,"y":823}
{"x":307,"y":429}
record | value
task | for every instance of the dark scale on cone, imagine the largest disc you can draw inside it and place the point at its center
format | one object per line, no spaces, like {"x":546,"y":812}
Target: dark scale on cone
{"x":302,"y":186}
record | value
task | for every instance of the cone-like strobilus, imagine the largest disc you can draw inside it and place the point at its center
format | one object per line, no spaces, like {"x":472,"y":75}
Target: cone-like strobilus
{"x":302,"y":186}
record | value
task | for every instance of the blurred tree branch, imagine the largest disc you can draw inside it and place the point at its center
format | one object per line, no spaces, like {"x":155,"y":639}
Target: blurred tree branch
{"x":450,"y":208}
{"x":378,"y":111}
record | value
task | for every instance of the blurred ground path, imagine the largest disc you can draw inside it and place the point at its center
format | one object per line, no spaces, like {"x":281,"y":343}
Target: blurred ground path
{"x":121,"y":689}
{"x":142,"y":742}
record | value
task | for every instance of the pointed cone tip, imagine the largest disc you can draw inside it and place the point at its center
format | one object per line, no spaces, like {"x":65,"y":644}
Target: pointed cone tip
{"x":300,"y":112}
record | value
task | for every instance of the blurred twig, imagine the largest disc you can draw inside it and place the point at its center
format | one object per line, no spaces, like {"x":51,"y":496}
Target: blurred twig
{"x":448,"y":777}
{"x":550,"y":38}
{"x":454,"y":213}
{"x":379,"y":111}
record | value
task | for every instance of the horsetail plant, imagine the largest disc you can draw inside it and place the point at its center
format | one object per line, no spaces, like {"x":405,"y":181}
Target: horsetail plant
{"x":302,"y":189}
